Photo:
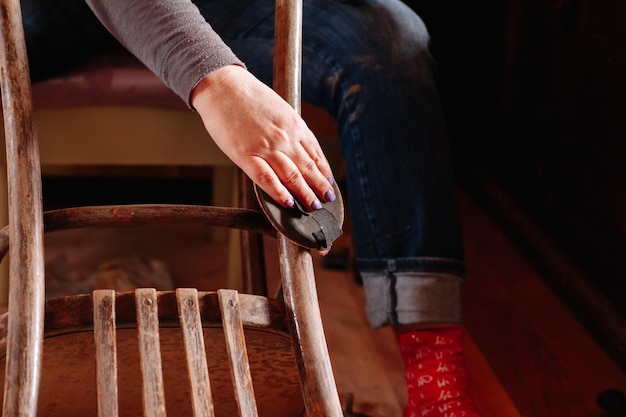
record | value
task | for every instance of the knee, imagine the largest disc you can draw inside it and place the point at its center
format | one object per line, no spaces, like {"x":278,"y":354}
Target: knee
{"x":383,"y":34}
{"x":363,"y":47}
{"x":396,"y":28}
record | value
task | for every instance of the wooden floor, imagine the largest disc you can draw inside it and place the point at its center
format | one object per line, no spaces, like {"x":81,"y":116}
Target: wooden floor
{"x":526,"y":354}
{"x":544,"y":359}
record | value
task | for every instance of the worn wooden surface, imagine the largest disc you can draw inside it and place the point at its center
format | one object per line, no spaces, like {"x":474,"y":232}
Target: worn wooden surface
{"x":237,"y":352}
{"x":106,"y":352}
{"x":296,"y":265}
{"x":153,"y":362}
{"x":366,"y":362}
{"x":544,"y":358}
{"x":26,"y":268}
{"x":150,"y":353}
{"x":191,"y":327}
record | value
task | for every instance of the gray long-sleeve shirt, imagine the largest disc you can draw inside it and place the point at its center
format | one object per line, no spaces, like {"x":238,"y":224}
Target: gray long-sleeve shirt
{"x":170,"y":37}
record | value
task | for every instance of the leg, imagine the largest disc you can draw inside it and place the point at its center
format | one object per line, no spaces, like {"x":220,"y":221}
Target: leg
{"x":401,"y":192}
{"x":379,"y":86}
{"x":367,"y":63}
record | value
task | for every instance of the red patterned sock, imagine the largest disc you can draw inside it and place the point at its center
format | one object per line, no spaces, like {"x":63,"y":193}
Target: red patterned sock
{"x":436,"y":375}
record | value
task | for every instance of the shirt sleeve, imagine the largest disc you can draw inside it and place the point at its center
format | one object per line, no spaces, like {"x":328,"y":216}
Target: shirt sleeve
{"x":170,"y":37}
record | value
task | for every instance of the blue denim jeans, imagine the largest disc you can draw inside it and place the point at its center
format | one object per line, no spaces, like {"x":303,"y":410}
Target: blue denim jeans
{"x":367,"y":63}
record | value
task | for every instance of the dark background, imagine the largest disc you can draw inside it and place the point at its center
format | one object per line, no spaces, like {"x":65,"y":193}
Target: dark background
{"x":533,"y":92}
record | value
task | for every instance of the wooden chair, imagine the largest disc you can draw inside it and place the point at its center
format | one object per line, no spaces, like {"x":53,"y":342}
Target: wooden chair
{"x":179,"y":352}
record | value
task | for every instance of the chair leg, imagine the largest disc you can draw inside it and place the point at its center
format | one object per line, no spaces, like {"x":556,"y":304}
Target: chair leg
{"x":305,"y":325}
{"x":253,"y":262}
{"x":4,"y":220}
{"x":224,"y":195}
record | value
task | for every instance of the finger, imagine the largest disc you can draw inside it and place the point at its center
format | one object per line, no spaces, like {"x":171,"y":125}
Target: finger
{"x":262,"y":174}
{"x":323,"y":252}
{"x":291,"y":175}
{"x":312,"y":147}
{"x":315,"y":172}
{"x":303,"y":149}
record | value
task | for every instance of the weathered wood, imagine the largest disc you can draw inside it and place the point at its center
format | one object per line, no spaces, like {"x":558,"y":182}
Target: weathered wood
{"x":150,"y":352}
{"x":106,"y":352}
{"x":191,"y":326}
{"x":25,"y":325}
{"x":305,"y":322}
{"x":252,"y":248}
{"x":69,"y":350}
{"x":288,"y":51}
{"x":236,"y":346}
{"x":140,"y":214}
{"x":146,"y":214}
{"x":298,"y":279}
{"x":75,"y":313}
{"x":26,"y":268}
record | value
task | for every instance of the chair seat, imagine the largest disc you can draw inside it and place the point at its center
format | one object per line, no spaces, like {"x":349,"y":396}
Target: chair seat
{"x":68,"y":386}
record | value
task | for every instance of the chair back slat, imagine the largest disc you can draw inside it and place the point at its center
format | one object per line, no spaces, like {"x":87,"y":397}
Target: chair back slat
{"x":237,"y":352}
{"x":106,"y":352}
{"x":191,"y":326}
{"x":150,"y":352}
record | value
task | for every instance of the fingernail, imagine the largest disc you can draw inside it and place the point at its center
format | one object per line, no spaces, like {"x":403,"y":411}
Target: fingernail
{"x":289,"y":203}
{"x":316,"y":205}
{"x":330,"y":196}
{"x":330,"y":180}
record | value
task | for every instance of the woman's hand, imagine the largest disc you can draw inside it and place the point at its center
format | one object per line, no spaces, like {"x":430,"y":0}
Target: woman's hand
{"x":263,"y":135}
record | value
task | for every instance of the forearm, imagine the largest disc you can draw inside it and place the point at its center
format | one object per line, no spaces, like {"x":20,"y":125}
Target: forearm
{"x":170,"y":37}
{"x":258,"y":130}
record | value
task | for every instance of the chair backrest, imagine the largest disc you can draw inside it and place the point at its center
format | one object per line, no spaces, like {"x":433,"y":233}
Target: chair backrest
{"x":179,"y":353}
{"x":30,"y":321}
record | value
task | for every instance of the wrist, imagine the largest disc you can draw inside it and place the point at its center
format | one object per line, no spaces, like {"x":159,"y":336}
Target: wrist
{"x":214,"y":84}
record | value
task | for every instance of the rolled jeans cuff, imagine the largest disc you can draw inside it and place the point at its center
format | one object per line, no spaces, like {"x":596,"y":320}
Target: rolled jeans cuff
{"x":412,"y":297}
